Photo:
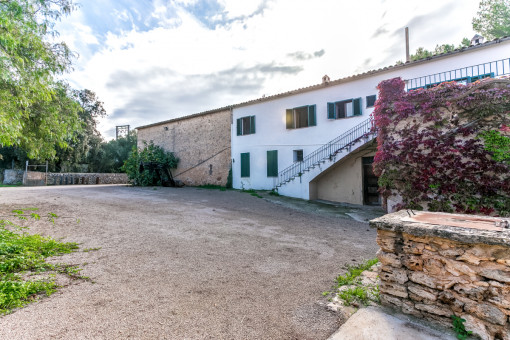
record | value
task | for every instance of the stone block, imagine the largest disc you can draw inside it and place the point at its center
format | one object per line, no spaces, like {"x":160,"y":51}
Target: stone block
{"x":484,"y":252}
{"x":451,"y":252}
{"x":434,"y":309}
{"x":457,"y":268}
{"x":393,"y":289}
{"x":412,"y":262}
{"x":449,"y":298}
{"x":391,"y":274}
{"x":386,"y":240}
{"x":423,"y":292}
{"x":389,"y":259}
{"x":495,"y":274}
{"x":408,"y":308}
{"x":433,"y":266}
{"x":488,"y":312}
{"x":389,"y":300}
{"x":423,"y":279}
{"x":476,"y":290}
{"x":413,"y":248}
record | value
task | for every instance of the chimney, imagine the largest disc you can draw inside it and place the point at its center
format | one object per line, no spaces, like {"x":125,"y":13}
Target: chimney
{"x":408,"y":58}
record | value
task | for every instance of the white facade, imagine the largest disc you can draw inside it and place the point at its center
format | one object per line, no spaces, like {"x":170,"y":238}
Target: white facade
{"x":270,"y":116}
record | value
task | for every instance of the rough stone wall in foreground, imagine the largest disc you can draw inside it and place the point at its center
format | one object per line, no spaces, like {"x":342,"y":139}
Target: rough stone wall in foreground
{"x":202,"y":144}
{"x":435,"y":277}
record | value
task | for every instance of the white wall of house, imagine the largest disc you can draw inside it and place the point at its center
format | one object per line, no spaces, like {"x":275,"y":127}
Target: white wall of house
{"x":271,"y":132}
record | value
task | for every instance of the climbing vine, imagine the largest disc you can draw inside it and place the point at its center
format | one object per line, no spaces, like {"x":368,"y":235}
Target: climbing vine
{"x":445,"y":148}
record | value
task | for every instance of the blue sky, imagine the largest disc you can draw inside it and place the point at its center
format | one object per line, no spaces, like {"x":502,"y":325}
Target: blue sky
{"x":153,"y":60}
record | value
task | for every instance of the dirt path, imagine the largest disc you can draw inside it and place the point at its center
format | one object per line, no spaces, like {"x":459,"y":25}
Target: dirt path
{"x":187,"y":264}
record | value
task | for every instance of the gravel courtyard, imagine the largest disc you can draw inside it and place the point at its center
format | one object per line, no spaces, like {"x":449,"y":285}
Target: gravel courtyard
{"x":186,"y":263}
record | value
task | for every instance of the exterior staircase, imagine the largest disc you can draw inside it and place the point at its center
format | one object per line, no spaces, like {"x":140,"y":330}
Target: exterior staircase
{"x":360,"y":134}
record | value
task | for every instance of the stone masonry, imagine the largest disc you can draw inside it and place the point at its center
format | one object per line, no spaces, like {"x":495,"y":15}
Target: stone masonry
{"x":201,"y":142}
{"x":433,"y":272}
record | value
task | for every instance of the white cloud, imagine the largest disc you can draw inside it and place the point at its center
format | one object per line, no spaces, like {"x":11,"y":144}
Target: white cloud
{"x":167,"y":64}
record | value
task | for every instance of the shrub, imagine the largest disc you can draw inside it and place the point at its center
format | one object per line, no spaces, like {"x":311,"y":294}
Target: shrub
{"x":150,"y":153}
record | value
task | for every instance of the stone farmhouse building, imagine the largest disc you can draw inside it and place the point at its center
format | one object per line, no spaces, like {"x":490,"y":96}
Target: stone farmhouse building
{"x":314,"y":142}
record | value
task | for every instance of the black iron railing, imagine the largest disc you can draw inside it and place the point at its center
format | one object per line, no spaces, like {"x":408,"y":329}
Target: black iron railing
{"x":463,"y":75}
{"x":327,"y":151}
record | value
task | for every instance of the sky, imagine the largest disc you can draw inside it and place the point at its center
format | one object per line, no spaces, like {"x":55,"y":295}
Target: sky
{"x":154,"y":60}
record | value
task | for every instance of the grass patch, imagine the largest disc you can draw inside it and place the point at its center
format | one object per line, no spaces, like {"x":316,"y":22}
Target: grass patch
{"x":23,"y":255}
{"x":10,"y":185}
{"x":86,"y":250}
{"x":274,"y":193}
{"x":212,"y":187}
{"x":350,"y":290}
{"x":251,"y":192}
{"x":353,"y":272}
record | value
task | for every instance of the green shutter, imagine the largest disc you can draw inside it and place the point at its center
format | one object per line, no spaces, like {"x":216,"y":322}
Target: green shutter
{"x":289,"y":118}
{"x":239,"y":127}
{"x":252,"y":124}
{"x":331,"y":111}
{"x":356,"y":107}
{"x":272,"y":163}
{"x":312,"y":121}
{"x":245,"y":164}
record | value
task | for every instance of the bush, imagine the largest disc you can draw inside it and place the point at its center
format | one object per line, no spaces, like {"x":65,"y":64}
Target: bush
{"x":150,"y":153}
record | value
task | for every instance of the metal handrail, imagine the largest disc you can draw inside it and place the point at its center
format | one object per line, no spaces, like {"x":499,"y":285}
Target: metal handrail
{"x":348,"y":138}
{"x":465,"y":74}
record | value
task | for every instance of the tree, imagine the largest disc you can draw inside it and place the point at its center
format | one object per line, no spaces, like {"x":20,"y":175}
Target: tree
{"x":492,"y":19}
{"x":111,"y":156}
{"x":422,"y":53}
{"x":150,"y":153}
{"x":86,"y":139}
{"x":37,"y":112}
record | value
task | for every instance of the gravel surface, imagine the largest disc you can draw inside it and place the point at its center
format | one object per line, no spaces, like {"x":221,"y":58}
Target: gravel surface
{"x":186,"y":263}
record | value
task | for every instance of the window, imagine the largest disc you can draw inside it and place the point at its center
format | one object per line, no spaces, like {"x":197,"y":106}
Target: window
{"x":246,"y":126}
{"x":272,"y":163}
{"x":300,"y":117}
{"x":344,"y":108}
{"x":371,"y":100}
{"x":298,"y":155}
{"x":245,"y":164}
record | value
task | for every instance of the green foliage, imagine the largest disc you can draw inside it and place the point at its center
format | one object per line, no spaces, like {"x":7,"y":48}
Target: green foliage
{"x":110,"y":157}
{"x":251,"y":192}
{"x":229,"y":179}
{"x":20,"y":253}
{"x":493,"y":19}
{"x":353,"y":272}
{"x":356,"y":293}
{"x":37,"y":112}
{"x":274,"y":193}
{"x":150,"y":153}
{"x":458,"y":327}
{"x":84,"y":141}
{"x":497,"y":144}
{"x":212,"y":186}
{"x":422,"y":53}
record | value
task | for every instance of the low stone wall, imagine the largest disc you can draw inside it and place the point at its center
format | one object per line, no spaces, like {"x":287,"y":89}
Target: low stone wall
{"x":434,"y":271}
{"x":86,"y":178}
{"x":13,"y":176}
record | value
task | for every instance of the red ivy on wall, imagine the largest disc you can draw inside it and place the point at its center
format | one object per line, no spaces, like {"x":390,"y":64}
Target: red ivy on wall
{"x":431,"y":151}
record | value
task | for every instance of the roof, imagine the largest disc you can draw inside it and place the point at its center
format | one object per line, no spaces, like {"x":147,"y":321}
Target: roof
{"x":336,"y":82}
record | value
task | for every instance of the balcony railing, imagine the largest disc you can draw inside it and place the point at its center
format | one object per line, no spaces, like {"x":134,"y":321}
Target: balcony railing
{"x":463,"y":75}
{"x":327,"y":151}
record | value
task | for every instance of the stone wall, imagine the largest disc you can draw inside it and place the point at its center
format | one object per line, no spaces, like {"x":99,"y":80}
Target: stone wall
{"x":13,"y":176}
{"x":201,"y":142}
{"x":433,"y":272}
{"x":86,"y":178}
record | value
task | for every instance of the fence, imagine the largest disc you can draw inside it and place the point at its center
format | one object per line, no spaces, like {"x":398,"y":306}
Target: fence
{"x":463,"y":75}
